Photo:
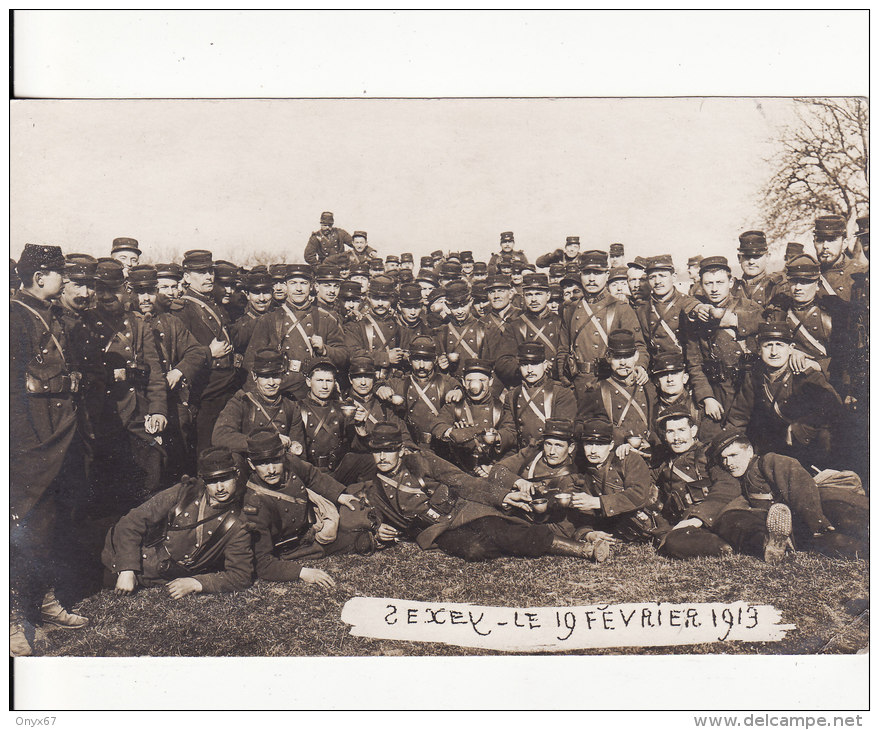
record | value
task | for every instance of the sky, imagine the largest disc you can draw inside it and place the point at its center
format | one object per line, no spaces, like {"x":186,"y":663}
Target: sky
{"x":249,"y":178}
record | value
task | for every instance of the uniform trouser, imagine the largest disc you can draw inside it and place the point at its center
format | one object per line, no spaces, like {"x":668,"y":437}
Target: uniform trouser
{"x":584,"y":384}
{"x":743,"y":530}
{"x":354,"y":468}
{"x":209,"y":410}
{"x":126,"y":471}
{"x":179,"y":439}
{"x":491,"y":537}
{"x":850,"y":515}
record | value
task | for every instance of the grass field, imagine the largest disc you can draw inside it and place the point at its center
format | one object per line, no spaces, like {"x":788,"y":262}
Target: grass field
{"x":826,"y":599}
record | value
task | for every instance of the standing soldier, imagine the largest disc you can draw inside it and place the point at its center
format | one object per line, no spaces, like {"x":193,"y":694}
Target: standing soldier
{"x":507,"y":244}
{"x":377,"y":333}
{"x":127,"y":252}
{"x":135,"y":409}
{"x":410,"y":315}
{"x":44,"y":449}
{"x":618,"y":283}
{"x":170,"y":287}
{"x":663,"y":315}
{"x":407,"y":261}
{"x":327,"y":282}
{"x":572,"y":287}
{"x":300,"y":331}
{"x":350,"y":302}
{"x":225,"y":292}
{"x":326,"y":432}
{"x":616,"y":255}
{"x":636,"y":277}
{"x":756,"y":283}
{"x":463,"y":336}
{"x":564,"y":257}
{"x":327,"y":241}
{"x":208,"y":323}
{"x":836,"y":267}
{"x":278,"y":274}
{"x":694,"y":289}
{"x":258,"y":290}
{"x":591,"y":320}
{"x":181,"y":359}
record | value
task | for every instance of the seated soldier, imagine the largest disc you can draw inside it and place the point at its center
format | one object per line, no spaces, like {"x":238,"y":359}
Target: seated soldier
{"x":433,"y":502}
{"x":827,"y":519}
{"x":477,"y":428}
{"x":695,"y":499}
{"x":669,"y":373}
{"x":289,"y":504}
{"x":264,"y":406}
{"x":538,"y":397}
{"x":325,"y":424}
{"x":190,"y":537}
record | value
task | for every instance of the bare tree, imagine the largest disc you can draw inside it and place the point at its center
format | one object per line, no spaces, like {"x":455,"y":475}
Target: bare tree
{"x":821,"y":167}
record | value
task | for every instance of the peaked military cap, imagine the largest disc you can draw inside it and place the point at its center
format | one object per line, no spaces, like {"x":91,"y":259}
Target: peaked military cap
{"x":142,"y":276}
{"x":617,"y":273}
{"x":555,"y":293}
{"x":382,"y":286}
{"x":593,"y":261}
{"x":125,"y":244}
{"x":596,"y":431}
{"x":264,"y":444}
{"x":556,"y":269}
{"x":617,"y":249}
{"x":480,"y":267}
{"x":720,"y":442}
{"x":438,"y":254}
{"x":385,"y":436}
{"x":376,"y":264}
{"x":351,"y":290}
{"x":300,"y":271}
{"x":775,"y":331}
{"x":709,"y":263}
{"x":392,"y":257}
{"x":225,"y":272}
{"x":80,"y":267}
{"x":535,"y":281}
{"x":267,"y":361}
{"x":410,"y":294}
{"x":406,"y":257}
{"x":506,"y":236}
{"x":450,"y":270}
{"x":803,"y":266}
{"x":498,"y":281}
{"x":438,"y":292}
{"x":753,"y":243}
{"x":830,"y":226}
{"x":110,"y":273}
{"x":256,"y":280}
{"x":558,"y":428}
{"x":572,"y":275}
{"x":479,"y":290}
{"x":453,"y":256}
{"x":215,"y":462}
{"x":457,"y":292}
{"x":694,"y":260}
{"x":863,"y":226}
{"x":39,"y":257}
{"x":663,"y":262}
{"x":667,"y":362}
{"x":326,"y":217}
{"x":426,"y":262}
{"x":362,"y":365}
{"x":169,"y":271}
{"x":404,"y":276}
{"x":320,"y":363}
{"x":278,"y":272}
{"x":359,"y":234}
{"x":359,"y":270}
{"x":466,"y":257}
{"x":572,"y":239}
{"x":621,"y":343}
{"x":423,"y":346}
{"x":476,"y":365}
{"x":531,"y":352}
{"x":639,"y":262}
{"x":327,"y":274}
{"x":198,"y":260}
{"x":672,"y":413}
{"x":793,"y":249}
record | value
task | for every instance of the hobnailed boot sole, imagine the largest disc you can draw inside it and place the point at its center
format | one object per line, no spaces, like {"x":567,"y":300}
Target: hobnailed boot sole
{"x":600,"y":551}
{"x":779,"y":525}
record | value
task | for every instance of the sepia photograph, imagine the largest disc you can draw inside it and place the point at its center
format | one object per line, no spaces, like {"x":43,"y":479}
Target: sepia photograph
{"x":439,"y":376}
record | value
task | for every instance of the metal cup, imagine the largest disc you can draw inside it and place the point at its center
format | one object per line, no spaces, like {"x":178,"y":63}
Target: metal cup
{"x":564,"y":499}
{"x":453,"y":356}
{"x":348,"y":410}
{"x":540,"y":505}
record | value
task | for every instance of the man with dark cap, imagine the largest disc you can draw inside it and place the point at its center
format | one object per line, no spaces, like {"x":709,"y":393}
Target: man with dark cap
{"x":190,"y":537}
{"x":719,"y":340}
{"x":476,"y":427}
{"x":300,"y":331}
{"x":572,"y":287}
{"x":694,"y":288}
{"x":500,"y":298}
{"x":591,"y":321}
{"x":291,"y":508}
{"x":756,"y":283}
{"x":170,"y":286}
{"x":209,"y":324}
{"x":424,"y":390}
{"x":261,"y":406}
{"x":181,"y":359}
{"x":616,"y":255}
{"x":392,"y":263}
{"x":258,"y":291}
{"x":407,"y":261}
{"x":663,"y":316}
{"x":135,"y":411}
{"x":350,"y":302}
{"x":326,"y":426}
{"x":618,"y":283}
{"x":564,"y":257}
{"x":361,"y":252}
{"x":538,"y":398}
{"x":370,"y":406}
{"x":428,"y":281}
{"x":46,"y":459}
{"x":788,"y":412}
{"x":636,"y":277}
{"x":278,"y":274}
{"x":448,"y":272}
{"x":422,"y":497}
{"x":463,"y":336}
{"x":326,"y":241}
{"x":628,"y":405}
{"x":410,"y":315}
{"x":377,"y":333}
{"x":670,"y":377}
{"x":127,"y":252}
{"x":826,"y":519}
{"x":507,"y":253}
{"x":438,"y":312}
{"x":327,"y":284}
{"x":836,"y":267}
{"x":224,"y":292}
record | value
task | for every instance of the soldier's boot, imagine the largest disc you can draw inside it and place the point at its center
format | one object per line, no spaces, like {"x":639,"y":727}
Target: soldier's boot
{"x":18,"y":641}
{"x":779,"y":525}
{"x":598,"y":551}
{"x":52,"y":612}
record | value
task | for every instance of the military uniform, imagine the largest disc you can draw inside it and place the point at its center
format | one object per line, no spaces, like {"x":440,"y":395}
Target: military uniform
{"x":320,"y":244}
{"x":326,"y":432}
{"x":759,"y":289}
{"x":422,"y":401}
{"x":546,"y":328}
{"x":250,"y":411}
{"x":468,"y":339}
{"x":467,"y":445}
{"x":530,"y":406}
{"x":372,"y":336}
{"x":838,"y":279}
{"x":663,"y":322}
{"x":630,"y":408}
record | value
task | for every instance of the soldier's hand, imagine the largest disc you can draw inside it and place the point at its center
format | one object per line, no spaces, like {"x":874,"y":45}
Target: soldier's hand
{"x":349,"y":500}
{"x":156,"y":423}
{"x":395,"y":355}
{"x":314,"y":575}
{"x":317,"y":344}
{"x":219,"y":348}
{"x":360,"y":414}
{"x":702,"y":312}
{"x":524,"y":486}
{"x":173,"y":377}
{"x":454,"y":395}
{"x":800,"y":362}
{"x":386,"y":533}
{"x":125,"y":583}
{"x":180,"y":587}
{"x":384,"y":392}
{"x":641,"y":375}
{"x":442,"y":362}
{"x":295,"y":448}
{"x":713,"y":409}
{"x":622,"y":450}
{"x":585,"y":502}
{"x":517,"y":499}
{"x":482,"y":470}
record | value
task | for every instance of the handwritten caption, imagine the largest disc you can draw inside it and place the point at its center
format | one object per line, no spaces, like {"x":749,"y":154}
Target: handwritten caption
{"x":564,"y":628}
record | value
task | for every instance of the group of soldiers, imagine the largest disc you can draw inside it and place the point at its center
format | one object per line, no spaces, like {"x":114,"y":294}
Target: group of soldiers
{"x":229,"y":423}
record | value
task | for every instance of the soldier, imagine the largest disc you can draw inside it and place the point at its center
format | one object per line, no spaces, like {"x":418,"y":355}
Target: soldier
{"x":263,"y":406}
{"x":791,"y":413}
{"x":500,"y":297}
{"x":46,"y":467}
{"x":258,"y":290}
{"x":350,"y":299}
{"x":463,"y":335}
{"x":555,"y":273}
{"x":224,"y":292}
{"x":438,"y":312}
{"x":827,"y":519}
{"x":538,"y":398}
{"x":618,"y":283}
{"x":190,"y":537}
{"x":424,"y":390}
{"x":590,"y":321}
{"x":326,"y":431}
{"x":719,"y":340}
{"x":616,"y":255}
{"x":300,"y":331}
{"x":181,"y":359}
{"x":663,"y":315}
{"x":535,"y":324}
{"x":423,"y":497}
{"x":555,"y":301}
{"x":290,"y":506}
{"x":756,"y":283}
{"x":669,"y":373}
{"x":480,"y":271}
{"x":507,"y":244}
{"x":427,"y":280}
{"x":636,"y":277}
{"x":377,"y":333}
{"x":361,"y":252}
{"x":327,"y":283}
{"x":360,"y":275}
{"x":448,"y":272}
{"x":572,"y":286}
{"x":694,"y":288}
{"x":627,"y":404}
{"x":278,"y":274}
{"x":410,"y":316}
{"x":127,"y":252}
{"x":169,"y":285}
{"x":836,"y":267}
{"x":327,"y":241}
{"x":135,"y":408}
{"x":392,"y":263}
{"x":477,"y":426}
{"x":407,"y":261}
{"x":467,"y":265}
{"x":208,"y":322}
{"x":568,"y":256}
{"x":479,"y":290}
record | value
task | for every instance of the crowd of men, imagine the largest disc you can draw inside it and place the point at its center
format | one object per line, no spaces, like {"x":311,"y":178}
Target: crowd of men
{"x":229,"y":423}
